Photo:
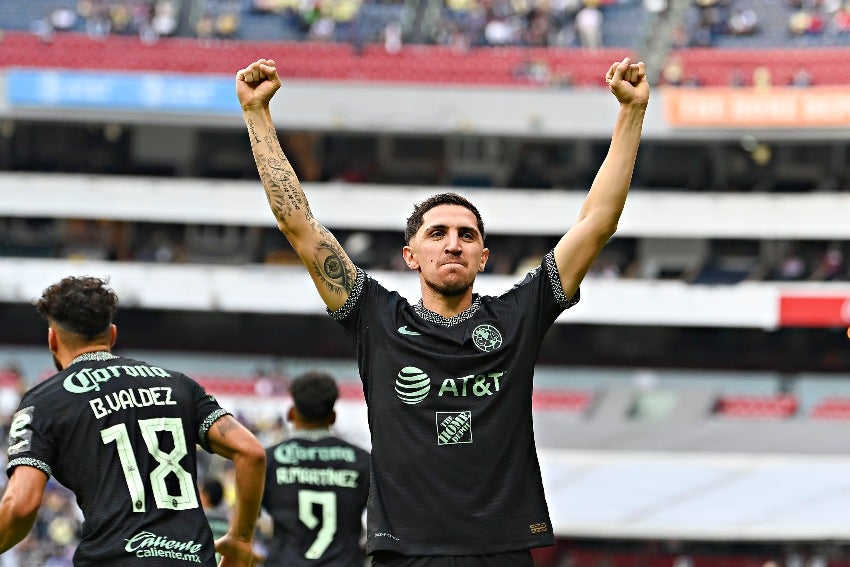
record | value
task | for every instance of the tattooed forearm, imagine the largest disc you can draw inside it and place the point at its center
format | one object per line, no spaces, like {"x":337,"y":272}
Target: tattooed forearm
{"x":283,"y":190}
{"x":333,"y":267}
{"x":252,"y":132}
{"x":318,"y":227}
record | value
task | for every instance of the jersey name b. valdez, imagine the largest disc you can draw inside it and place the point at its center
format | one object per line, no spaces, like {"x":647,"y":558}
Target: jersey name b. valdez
{"x":454,"y":464}
{"x":122,"y":435}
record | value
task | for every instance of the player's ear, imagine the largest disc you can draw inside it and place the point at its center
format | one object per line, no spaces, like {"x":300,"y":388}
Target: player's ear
{"x":332,"y":418}
{"x":113,"y":334}
{"x":52,"y":340}
{"x":410,"y":258}
{"x":485,"y":254}
{"x":290,"y":415}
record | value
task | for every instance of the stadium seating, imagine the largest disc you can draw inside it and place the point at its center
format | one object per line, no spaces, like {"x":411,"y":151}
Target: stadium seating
{"x":719,"y":67}
{"x":362,"y":56}
{"x":9,"y":379}
{"x":831,"y":408}
{"x":302,"y":60}
{"x":756,"y":407}
{"x":596,"y":557}
{"x":416,"y":63}
{"x":565,"y":401}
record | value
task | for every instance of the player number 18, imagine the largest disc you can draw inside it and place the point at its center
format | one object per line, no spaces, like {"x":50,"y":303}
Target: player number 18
{"x":168,"y":463}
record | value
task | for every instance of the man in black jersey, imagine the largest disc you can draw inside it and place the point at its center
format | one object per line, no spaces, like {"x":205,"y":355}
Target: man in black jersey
{"x":316,"y":484}
{"x":122,"y":435}
{"x":455,"y":478}
{"x":211,"y":494}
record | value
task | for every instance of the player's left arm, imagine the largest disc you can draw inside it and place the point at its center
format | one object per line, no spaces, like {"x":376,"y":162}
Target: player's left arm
{"x":20,"y":503}
{"x":602,"y":207}
{"x":232,"y":440}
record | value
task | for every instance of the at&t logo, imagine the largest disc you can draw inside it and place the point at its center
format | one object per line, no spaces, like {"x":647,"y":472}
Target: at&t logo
{"x":412,"y":385}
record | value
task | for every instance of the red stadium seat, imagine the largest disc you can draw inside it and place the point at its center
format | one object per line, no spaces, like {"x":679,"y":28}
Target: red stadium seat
{"x":715,"y":67}
{"x":757,"y":407}
{"x":9,"y":379}
{"x":414,"y":64}
{"x":228,"y":385}
{"x":831,"y":408}
{"x":570,"y":401}
{"x":249,"y":386}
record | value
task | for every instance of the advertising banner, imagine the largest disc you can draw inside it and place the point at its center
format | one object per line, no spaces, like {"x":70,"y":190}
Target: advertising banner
{"x":774,"y":107}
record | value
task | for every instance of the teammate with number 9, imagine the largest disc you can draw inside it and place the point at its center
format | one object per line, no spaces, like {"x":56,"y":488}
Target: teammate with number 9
{"x":122,"y":435}
{"x":316,"y":484}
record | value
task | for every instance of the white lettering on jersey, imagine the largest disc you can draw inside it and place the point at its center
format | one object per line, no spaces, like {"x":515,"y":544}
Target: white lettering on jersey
{"x":473,"y":385}
{"x":131,"y":398}
{"x":20,"y":432}
{"x":88,"y":379}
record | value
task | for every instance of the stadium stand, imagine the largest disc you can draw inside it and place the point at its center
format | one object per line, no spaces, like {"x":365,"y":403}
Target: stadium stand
{"x":731,"y":59}
{"x":304,"y":60}
{"x":750,"y":407}
{"x":831,"y":408}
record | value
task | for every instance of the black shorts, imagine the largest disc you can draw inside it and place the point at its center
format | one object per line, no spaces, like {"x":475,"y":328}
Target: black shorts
{"x":507,"y":559}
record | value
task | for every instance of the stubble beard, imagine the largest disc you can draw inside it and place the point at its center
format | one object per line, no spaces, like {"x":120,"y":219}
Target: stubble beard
{"x":452,"y":288}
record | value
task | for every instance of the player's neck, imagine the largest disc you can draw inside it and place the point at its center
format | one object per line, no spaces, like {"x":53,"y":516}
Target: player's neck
{"x":446,"y":305}
{"x":314,"y":433}
{"x":66,"y":356}
{"x":299,"y":424}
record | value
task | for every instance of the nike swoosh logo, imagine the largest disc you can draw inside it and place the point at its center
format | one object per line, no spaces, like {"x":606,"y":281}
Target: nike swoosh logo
{"x":405,"y":331}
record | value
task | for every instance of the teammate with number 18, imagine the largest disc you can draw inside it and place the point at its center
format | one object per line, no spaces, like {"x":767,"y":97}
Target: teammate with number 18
{"x":122,"y":435}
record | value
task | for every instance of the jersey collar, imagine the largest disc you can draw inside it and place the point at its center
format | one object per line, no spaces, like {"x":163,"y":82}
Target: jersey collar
{"x":438,"y":319}
{"x":312,"y":434}
{"x":97,"y":355}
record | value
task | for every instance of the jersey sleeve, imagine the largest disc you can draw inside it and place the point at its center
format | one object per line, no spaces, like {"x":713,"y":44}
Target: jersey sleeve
{"x":547,"y":277}
{"x":359,"y":307}
{"x":30,"y":440}
{"x":207,"y":411}
{"x":542,"y":287}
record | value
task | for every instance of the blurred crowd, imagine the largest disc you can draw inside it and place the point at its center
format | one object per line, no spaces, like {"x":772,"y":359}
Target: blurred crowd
{"x":714,"y":261}
{"x":149,"y":20}
{"x":461,"y":24}
{"x":790,"y":23}
{"x":556,"y":23}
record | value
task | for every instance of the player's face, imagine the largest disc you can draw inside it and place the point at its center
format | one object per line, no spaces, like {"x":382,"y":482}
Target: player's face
{"x":448,"y":250}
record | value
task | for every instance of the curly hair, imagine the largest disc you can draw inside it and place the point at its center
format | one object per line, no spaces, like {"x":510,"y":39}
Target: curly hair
{"x":314,"y":394}
{"x":414,"y":221}
{"x":82,"y":305}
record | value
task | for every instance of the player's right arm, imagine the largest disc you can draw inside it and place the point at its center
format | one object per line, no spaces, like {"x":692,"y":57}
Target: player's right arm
{"x":330,"y":267}
{"x":232,"y":440}
{"x":19,"y":506}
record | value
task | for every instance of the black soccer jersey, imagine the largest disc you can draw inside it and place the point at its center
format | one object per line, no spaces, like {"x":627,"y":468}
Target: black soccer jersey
{"x":122,"y":435}
{"x":316,"y":490}
{"x":454,"y":464}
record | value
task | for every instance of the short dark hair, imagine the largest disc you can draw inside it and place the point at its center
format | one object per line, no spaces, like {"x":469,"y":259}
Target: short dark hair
{"x":214,"y":491}
{"x":314,"y":395}
{"x":414,"y":221}
{"x":82,"y":305}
